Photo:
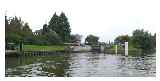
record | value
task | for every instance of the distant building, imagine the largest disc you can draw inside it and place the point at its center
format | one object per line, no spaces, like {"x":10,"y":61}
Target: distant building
{"x":78,"y":42}
{"x":76,"y":39}
{"x":38,"y":32}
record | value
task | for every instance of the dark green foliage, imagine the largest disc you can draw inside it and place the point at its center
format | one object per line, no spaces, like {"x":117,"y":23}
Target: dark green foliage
{"x":143,"y":40}
{"x":65,"y":27}
{"x":29,"y":40}
{"x":53,"y":38}
{"x":53,"y":23}
{"x":13,"y":38}
{"x":49,"y":38}
{"x":40,"y":40}
{"x":61,"y":26}
{"x":91,"y":40}
{"x":57,"y":32}
{"x":15,"y":30}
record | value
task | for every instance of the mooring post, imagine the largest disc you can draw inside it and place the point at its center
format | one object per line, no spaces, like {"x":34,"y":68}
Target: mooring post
{"x":20,"y":46}
{"x":126,"y":48}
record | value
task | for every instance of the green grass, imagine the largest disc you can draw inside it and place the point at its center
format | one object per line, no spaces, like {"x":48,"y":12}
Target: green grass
{"x":120,"y":50}
{"x":43,"y":48}
{"x":130,"y":47}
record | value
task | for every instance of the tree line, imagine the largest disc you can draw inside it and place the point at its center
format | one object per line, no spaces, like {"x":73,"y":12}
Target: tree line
{"x":140,"y":39}
{"x":57,"y":31}
{"x":16,"y":30}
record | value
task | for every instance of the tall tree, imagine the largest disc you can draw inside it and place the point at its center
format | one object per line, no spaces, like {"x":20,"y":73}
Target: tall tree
{"x":65,"y":27}
{"x":54,"y":23}
{"x":61,"y":26}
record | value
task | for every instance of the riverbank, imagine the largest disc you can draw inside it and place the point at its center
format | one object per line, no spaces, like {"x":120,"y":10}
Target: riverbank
{"x":43,"y":48}
{"x":33,"y":49}
{"x":36,"y":50}
{"x":121,"y":50}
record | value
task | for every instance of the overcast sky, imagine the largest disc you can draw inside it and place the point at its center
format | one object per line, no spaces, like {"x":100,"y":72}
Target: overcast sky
{"x":104,"y":18}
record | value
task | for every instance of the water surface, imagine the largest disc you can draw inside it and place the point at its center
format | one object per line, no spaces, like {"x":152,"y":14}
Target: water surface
{"x":82,"y":65}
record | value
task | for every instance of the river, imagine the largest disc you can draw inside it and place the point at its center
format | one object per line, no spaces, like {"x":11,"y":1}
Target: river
{"x":82,"y":65}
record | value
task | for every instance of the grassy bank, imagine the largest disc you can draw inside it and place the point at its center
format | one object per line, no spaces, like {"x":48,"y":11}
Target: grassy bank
{"x":43,"y":48}
{"x":120,"y":50}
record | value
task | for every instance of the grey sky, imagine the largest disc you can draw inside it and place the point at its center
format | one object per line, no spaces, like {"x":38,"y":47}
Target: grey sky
{"x":104,"y":18}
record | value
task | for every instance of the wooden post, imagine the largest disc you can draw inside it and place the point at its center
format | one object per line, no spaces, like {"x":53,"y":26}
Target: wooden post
{"x":20,"y":46}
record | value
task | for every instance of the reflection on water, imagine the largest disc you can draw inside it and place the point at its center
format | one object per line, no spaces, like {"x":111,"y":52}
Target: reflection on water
{"x":82,"y":64}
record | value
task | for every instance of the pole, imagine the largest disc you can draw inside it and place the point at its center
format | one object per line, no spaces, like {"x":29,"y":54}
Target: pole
{"x":116,"y":49}
{"x":20,"y":46}
{"x":126,"y":48}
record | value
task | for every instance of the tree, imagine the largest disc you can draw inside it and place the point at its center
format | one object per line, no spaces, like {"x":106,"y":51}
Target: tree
{"x":53,"y":38}
{"x":13,"y":30}
{"x":65,"y":27}
{"x":13,"y":38}
{"x":15,"y":25}
{"x":122,"y":39}
{"x":61,"y":26}
{"x":26,"y":31}
{"x":40,"y":40}
{"x":143,"y":40}
{"x":91,"y":40}
{"x":16,"y":31}
{"x":54,"y":24}
{"x":26,"y":28}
